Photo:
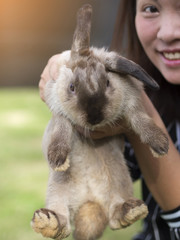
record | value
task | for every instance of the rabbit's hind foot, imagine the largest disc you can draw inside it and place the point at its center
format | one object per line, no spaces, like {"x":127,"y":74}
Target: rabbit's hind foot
{"x":127,"y":213}
{"x":49,"y":224}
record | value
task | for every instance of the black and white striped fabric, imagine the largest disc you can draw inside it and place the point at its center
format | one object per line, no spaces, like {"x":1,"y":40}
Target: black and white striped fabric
{"x":158,"y":225}
{"x":172,"y":218}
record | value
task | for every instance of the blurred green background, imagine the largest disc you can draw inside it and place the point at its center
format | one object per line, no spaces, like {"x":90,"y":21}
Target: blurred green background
{"x":23,"y":170}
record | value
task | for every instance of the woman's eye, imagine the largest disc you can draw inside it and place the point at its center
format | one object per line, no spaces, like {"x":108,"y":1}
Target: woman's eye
{"x":151,"y":9}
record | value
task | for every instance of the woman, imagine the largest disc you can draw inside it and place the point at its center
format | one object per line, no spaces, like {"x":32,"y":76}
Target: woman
{"x":152,"y":28}
{"x":153,"y":35}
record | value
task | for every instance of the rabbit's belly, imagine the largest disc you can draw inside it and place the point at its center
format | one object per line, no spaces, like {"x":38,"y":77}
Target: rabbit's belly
{"x":90,"y":186}
{"x":102,"y":172}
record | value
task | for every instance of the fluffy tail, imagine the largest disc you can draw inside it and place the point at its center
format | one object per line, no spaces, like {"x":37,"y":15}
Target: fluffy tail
{"x":90,"y":222}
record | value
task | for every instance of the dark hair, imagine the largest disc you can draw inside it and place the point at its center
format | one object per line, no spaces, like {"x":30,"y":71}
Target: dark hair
{"x":126,"y":42}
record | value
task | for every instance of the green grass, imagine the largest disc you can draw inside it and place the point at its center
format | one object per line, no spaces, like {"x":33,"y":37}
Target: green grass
{"x":23,"y":170}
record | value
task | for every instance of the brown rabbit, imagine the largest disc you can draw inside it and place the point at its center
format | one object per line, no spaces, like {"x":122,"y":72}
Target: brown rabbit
{"x":89,"y":182}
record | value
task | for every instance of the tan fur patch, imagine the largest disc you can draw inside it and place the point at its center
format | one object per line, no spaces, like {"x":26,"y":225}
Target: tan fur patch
{"x":90,"y":221}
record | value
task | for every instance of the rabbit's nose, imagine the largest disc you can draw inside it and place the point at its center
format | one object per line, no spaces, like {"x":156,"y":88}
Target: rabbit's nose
{"x":94,"y":118}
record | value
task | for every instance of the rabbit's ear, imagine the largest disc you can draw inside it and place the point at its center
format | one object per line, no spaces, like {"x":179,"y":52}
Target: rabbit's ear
{"x":123,"y":65}
{"x":81,"y":39}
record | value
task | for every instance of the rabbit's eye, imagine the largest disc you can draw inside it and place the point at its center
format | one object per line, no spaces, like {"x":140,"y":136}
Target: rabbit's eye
{"x":107,"y":83}
{"x":71,"y":87}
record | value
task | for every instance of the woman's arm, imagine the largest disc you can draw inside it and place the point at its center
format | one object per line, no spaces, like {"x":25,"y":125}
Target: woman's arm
{"x":162,"y":175}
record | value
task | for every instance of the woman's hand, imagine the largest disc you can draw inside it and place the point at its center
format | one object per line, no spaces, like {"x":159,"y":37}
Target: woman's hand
{"x":50,"y":72}
{"x":119,"y":127}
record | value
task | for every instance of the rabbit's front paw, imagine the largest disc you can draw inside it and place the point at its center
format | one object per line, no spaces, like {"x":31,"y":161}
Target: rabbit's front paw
{"x":152,"y":135}
{"x":57,"y":157}
{"x":49,"y":224}
{"x":127,"y":213}
{"x":64,"y":166}
{"x":159,"y":145}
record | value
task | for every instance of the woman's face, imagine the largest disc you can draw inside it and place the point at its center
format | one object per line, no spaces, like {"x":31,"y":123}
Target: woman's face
{"x":158,"y":28}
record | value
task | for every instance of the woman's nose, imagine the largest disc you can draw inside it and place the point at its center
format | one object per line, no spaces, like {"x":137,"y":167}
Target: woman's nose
{"x":169,"y":29}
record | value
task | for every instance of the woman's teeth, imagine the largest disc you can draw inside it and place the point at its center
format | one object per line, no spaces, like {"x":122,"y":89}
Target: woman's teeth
{"x":172,"y":56}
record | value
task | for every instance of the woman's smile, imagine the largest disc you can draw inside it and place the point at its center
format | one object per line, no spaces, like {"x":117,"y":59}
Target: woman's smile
{"x":171,"y":58}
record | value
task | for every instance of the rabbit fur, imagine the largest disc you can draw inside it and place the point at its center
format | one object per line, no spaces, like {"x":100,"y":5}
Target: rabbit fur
{"x":89,"y":182}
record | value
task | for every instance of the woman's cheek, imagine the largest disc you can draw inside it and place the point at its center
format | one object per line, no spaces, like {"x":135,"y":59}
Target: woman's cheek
{"x":145,"y":31}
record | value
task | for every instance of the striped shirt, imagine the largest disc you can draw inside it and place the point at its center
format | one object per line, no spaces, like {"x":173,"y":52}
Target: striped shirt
{"x":158,"y":225}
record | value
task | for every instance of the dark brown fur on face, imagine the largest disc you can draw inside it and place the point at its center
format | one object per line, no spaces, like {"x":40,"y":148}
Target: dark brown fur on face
{"x":90,"y":83}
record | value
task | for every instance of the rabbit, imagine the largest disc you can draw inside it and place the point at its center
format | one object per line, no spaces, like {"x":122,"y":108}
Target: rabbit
{"x":89,"y":183}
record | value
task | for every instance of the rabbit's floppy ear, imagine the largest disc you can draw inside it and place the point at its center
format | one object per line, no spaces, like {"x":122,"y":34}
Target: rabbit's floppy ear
{"x":81,"y":38}
{"x":123,"y":65}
